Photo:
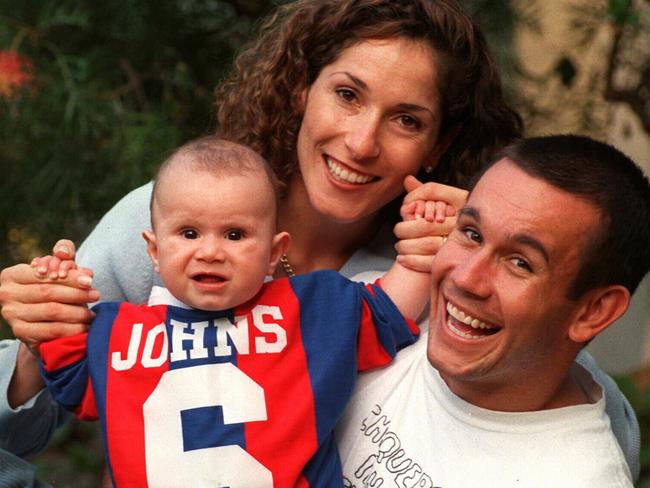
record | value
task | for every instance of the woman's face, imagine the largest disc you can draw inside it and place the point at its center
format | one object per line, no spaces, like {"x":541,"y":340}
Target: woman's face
{"x":370,"y":118}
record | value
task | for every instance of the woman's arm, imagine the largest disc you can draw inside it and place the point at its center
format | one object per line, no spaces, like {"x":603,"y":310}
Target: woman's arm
{"x":37,"y":311}
{"x":25,"y":430}
{"x":117,"y":253}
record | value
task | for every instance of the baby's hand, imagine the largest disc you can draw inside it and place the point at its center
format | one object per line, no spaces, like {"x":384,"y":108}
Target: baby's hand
{"x":428,"y":210}
{"x":60,"y":263}
{"x":52,"y":267}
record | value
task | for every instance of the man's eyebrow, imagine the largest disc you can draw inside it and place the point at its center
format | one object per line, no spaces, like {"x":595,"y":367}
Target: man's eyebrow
{"x":523,"y":239}
{"x":530,"y":241}
{"x":470,"y":212}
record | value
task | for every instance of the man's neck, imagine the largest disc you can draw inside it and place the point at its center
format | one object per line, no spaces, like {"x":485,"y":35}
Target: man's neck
{"x":533,"y":394}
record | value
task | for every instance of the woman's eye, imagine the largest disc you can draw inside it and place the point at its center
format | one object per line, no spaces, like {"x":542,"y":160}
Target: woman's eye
{"x":234,"y":235}
{"x":346,"y":94}
{"x":409,"y":121}
{"x":190,"y":234}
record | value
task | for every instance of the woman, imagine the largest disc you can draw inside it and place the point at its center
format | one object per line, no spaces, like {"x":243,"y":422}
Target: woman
{"x":344,"y":98}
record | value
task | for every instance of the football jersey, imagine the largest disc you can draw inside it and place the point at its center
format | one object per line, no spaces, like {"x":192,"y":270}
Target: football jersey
{"x":246,"y":397}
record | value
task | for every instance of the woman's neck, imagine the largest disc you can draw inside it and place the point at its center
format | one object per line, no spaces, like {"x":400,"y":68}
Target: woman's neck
{"x":317,"y":241}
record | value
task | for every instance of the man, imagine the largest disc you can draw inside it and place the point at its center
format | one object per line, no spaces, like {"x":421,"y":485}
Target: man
{"x":554,"y":239}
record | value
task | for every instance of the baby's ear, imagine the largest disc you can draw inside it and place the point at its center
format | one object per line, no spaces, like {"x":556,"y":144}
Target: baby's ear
{"x":280,"y":245}
{"x":152,"y":247}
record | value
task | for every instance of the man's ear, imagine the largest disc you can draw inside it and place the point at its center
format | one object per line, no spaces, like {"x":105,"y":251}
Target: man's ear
{"x":601,"y":307}
{"x":152,"y":247}
{"x":281,"y":242}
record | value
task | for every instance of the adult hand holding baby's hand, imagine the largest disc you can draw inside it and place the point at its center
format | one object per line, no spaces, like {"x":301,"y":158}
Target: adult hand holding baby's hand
{"x":47,"y":300}
{"x":429,"y":215}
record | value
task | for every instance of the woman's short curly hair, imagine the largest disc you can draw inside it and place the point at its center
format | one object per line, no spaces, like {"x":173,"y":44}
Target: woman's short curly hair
{"x":259,"y":103}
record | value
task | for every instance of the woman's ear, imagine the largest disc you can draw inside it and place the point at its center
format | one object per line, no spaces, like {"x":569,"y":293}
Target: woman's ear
{"x":439,"y":149}
{"x":601,"y":308}
{"x":280,"y":245}
{"x":152,"y":247}
{"x":300,"y":100}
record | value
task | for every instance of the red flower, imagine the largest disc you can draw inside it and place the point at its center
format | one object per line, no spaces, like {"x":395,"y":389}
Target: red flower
{"x":15,"y":72}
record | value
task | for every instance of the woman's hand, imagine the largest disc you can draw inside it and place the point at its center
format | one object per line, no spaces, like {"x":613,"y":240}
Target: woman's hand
{"x":42,"y":303}
{"x":39,"y":307}
{"x":429,"y":212}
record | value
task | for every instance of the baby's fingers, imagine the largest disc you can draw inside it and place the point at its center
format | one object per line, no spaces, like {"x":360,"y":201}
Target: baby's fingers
{"x":64,"y":249}
{"x":41,"y":265}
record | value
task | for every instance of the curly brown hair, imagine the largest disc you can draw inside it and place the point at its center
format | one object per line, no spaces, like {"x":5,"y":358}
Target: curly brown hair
{"x":258,"y":104}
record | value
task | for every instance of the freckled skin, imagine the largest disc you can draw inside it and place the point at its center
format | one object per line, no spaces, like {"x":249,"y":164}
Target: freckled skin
{"x":377,"y":126}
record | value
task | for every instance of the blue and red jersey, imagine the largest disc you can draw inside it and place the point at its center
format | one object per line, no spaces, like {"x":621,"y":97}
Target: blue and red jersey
{"x":246,"y":397}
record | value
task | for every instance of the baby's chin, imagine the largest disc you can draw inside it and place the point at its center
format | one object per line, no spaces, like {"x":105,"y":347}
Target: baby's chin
{"x":219,"y":302}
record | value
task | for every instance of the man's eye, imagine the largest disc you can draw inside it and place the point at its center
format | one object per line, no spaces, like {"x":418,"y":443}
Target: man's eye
{"x":234,"y":235}
{"x":472,"y":235}
{"x":522,"y":263}
{"x":190,"y":234}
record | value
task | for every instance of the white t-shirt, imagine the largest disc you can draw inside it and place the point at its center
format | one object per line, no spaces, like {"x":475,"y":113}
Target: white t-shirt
{"x":405,"y":428}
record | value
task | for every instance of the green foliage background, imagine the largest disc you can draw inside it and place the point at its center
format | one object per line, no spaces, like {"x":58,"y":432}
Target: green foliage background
{"x":117,"y":85}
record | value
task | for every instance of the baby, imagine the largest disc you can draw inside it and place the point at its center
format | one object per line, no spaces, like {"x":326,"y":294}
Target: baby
{"x":224,"y":378}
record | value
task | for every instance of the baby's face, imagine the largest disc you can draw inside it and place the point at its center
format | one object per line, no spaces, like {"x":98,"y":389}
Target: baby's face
{"x":214,"y":239}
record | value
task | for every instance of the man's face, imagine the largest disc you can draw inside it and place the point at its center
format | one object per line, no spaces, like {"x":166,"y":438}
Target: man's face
{"x":500,"y":312}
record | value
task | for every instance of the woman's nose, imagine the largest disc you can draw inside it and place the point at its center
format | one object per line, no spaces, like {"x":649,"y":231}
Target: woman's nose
{"x":362,"y":136}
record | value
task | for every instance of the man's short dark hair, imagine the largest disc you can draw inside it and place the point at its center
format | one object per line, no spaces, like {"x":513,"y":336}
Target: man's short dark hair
{"x":620,"y":251}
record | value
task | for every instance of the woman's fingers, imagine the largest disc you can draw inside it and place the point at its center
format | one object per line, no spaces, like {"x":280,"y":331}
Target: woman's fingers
{"x":49,"y":312}
{"x":33,"y":333}
{"x":20,"y":289}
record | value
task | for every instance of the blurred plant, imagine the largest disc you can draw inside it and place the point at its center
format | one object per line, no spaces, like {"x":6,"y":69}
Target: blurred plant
{"x":15,"y":73}
{"x":636,"y":388}
{"x":93,"y":95}
{"x":614,"y":32}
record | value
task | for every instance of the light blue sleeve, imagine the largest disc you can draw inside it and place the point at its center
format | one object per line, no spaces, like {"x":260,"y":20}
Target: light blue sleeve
{"x":621,"y":415}
{"x":117,"y":253}
{"x":16,"y":473}
{"x":27,"y":429}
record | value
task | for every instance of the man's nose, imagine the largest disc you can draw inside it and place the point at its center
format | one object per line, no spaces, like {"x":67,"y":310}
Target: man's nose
{"x":474,"y":275}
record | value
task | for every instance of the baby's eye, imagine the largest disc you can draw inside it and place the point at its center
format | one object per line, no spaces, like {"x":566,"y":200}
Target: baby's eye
{"x":234,"y":235}
{"x":190,"y":234}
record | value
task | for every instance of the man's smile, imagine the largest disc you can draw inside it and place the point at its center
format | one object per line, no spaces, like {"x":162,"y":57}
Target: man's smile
{"x":466,"y":326}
